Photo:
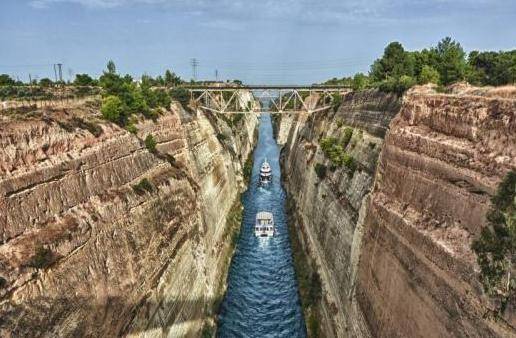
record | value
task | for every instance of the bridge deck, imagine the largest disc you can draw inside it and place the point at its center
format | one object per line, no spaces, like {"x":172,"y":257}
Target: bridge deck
{"x":265,"y":87}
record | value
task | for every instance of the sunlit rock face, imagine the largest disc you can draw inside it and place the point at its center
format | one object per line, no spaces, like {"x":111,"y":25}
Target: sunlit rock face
{"x":392,"y":241}
{"x":442,"y":160}
{"x":88,"y":247}
{"x":326,"y":210}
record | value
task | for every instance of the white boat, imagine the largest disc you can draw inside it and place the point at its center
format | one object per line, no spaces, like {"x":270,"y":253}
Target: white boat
{"x":264,"y":226}
{"x":265,"y":173}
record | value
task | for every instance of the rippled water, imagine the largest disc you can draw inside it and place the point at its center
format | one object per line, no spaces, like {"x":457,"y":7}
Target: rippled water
{"x":262,"y":297}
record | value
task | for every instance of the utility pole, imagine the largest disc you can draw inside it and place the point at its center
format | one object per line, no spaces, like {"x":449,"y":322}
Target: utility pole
{"x":216,"y":75}
{"x":60,"y":65}
{"x":55,"y":72}
{"x":195,"y":63}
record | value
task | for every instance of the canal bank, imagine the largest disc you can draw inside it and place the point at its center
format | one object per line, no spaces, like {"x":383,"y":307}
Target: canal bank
{"x":262,"y":296}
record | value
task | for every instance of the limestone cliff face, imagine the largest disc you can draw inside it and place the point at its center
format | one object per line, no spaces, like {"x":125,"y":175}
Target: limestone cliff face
{"x":100,"y":236}
{"x":325,"y":211}
{"x":442,"y":160}
{"x":395,"y":260}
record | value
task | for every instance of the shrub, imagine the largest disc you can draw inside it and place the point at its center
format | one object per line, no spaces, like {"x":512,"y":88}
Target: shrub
{"x":496,"y":246}
{"x":339,"y":123}
{"x":350,"y":163}
{"x":131,"y":128}
{"x":337,"y":101}
{"x":3,"y":282}
{"x":181,"y":95}
{"x":320,"y":170}
{"x":150,"y":143}
{"x":143,"y":186}
{"x":42,"y":258}
{"x":348,"y":132}
{"x":248,"y":168}
{"x":221,"y":137}
{"x":113,"y":109}
{"x":428,"y":75}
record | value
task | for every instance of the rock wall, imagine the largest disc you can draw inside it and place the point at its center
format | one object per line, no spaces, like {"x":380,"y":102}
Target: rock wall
{"x":395,"y":260}
{"x":325,"y":211}
{"x":442,"y":160}
{"x":100,"y":236}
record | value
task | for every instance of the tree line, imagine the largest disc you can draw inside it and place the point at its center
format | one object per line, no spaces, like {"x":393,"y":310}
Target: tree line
{"x":444,"y":64}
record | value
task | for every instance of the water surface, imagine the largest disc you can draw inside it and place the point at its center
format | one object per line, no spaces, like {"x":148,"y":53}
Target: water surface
{"x":262,"y":297}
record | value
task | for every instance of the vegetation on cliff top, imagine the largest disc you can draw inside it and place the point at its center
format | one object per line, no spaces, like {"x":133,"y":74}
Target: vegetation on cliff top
{"x":447,"y":63}
{"x":496,"y":246}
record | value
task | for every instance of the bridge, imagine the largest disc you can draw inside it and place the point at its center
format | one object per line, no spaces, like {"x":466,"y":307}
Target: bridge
{"x":228,"y":98}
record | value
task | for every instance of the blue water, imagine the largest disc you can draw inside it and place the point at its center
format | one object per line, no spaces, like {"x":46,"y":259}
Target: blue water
{"x":262,"y":297}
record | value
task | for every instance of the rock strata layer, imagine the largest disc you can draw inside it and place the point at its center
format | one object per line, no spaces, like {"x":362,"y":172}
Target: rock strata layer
{"x":100,"y":236}
{"x":391,"y":240}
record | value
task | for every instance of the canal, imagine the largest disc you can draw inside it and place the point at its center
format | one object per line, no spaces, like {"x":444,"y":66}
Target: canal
{"x":262,"y":296}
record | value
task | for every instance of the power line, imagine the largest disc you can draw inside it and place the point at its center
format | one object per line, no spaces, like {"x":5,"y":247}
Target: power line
{"x":195,"y":63}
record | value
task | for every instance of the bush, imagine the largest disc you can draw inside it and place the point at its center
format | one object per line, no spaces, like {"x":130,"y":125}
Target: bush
{"x":180,"y":95}
{"x":131,"y":128}
{"x":113,"y":110}
{"x":3,"y":282}
{"x":221,"y":137}
{"x":42,"y":258}
{"x":150,"y":143}
{"x":248,"y":168}
{"x":496,"y":246}
{"x":428,"y":75}
{"x":348,"y":132}
{"x":320,"y":170}
{"x":143,"y":186}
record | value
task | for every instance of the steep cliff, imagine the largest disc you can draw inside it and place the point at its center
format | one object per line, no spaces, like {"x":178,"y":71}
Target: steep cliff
{"x":101,"y":235}
{"x":325,"y":210}
{"x":395,"y":260}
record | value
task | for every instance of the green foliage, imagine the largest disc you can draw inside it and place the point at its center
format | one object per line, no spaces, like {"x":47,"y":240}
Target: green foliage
{"x":143,"y":186}
{"x":360,"y":81}
{"x":84,"y":80}
{"x":348,"y":132}
{"x":207,"y":331}
{"x":5,"y":80}
{"x":221,"y":137}
{"x":42,"y":258}
{"x":320,"y":170}
{"x":180,"y":95}
{"x":150,"y":143}
{"x":113,"y":109}
{"x":248,"y":168}
{"x":45,"y":82}
{"x":171,"y":79}
{"x":492,"y":68}
{"x":496,"y":246}
{"x":313,"y":325}
{"x":131,"y":128}
{"x":428,"y":75}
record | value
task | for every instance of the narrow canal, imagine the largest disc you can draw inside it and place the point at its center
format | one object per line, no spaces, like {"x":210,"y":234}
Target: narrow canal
{"x":262,"y":297}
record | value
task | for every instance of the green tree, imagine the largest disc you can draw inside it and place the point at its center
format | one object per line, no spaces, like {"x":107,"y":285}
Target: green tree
{"x":83,"y":80}
{"x":360,"y":81}
{"x":395,"y":62}
{"x":6,"y":80}
{"x":171,"y":79}
{"x":496,"y":246}
{"x":45,"y":82}
{"x":451,"y":61}
{"x":113,"y":109}
{"x":428,"y":75}
{"x":111,"y":68}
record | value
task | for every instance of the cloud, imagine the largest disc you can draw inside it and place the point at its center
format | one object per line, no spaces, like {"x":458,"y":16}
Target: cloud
{"x":308,"y":11}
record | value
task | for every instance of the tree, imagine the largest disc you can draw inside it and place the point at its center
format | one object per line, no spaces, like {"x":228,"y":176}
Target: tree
{"x":111,"y":68}
{"x":451,"y":61}
{"x":496,"y":246}
{"x":428,"y":75}
{"x":359,"y":81}
{"x":45,"y":82}
{"x":113,"y":109}
{"x":395,"y":62}
{"x":171,"y":79}
{"x":83,"y":80}
{"x":6,"y":80}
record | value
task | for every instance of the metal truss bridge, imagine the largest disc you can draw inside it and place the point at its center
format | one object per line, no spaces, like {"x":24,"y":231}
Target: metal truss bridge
{"x":231,"y":99}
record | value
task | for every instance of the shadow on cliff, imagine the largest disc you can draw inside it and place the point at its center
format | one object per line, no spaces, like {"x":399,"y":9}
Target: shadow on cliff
{"x":83,"y":316}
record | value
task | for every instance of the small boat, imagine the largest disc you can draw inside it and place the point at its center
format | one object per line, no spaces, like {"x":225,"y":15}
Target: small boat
{"x":264,"y":226}
{"x":265,"y":173}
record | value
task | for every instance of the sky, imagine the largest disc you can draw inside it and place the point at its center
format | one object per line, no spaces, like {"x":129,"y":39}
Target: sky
{"x":256,"y":41}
